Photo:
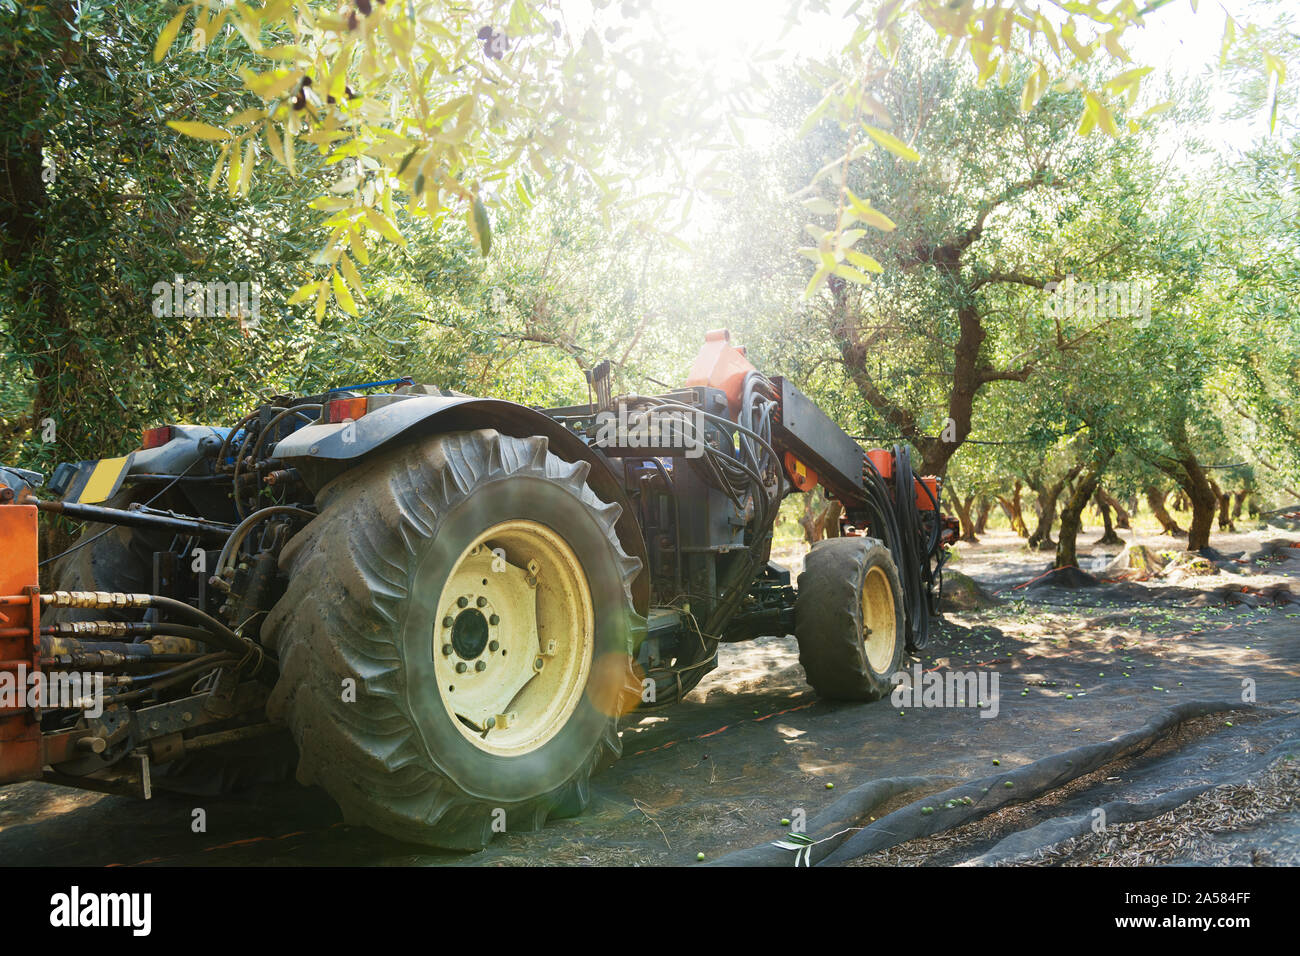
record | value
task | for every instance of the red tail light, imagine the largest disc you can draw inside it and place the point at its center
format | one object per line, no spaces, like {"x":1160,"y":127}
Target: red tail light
{"x":342,"y":409}
{"x":154,"y":437}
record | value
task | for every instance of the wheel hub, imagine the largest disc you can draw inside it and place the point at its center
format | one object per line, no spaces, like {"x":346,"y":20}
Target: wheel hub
{"x":513,"y":637}
{"x":469,"y":634}
{"x":878,"y":620}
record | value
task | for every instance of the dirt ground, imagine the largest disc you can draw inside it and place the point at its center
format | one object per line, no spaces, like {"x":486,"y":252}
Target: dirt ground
{"x":753,"y":746}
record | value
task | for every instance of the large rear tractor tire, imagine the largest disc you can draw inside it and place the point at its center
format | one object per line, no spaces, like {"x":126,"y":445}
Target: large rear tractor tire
{"x":849,"y":618}
{"x":455,"y":639}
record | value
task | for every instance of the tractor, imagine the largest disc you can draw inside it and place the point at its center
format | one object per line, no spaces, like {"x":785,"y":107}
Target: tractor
{"x":438,"y":607}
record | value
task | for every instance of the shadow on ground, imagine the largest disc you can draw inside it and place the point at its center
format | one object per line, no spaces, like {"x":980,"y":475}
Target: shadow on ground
{"x":753,"y":745}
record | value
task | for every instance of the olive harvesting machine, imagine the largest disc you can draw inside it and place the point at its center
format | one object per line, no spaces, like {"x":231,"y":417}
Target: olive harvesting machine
{"x":438,"y":607}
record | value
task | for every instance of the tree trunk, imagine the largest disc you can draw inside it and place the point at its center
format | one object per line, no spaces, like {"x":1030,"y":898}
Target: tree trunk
{"x":1204,"y":506}
{"x":1225,"y":506}
{"x":1123,"y":520}
{"x":982,"y":516}
{"x":969,"y":373}
{"x":1108,"y":534}
{"x":964,"y":518}
{"x":1238,"y":499}
{"x":1071,"y":514}
{"x":813,"y":523}
{"x":831,"y":518}
{"x":1041,"y":538}
{"x":820,"y":521}
{"x":63,"y":371}
{"x":1069,"y":490}
{"x":1007,"y":509}
{"x":1156,"y":502}
{"x":1195,"y":485}
{"x":1014,"y":510}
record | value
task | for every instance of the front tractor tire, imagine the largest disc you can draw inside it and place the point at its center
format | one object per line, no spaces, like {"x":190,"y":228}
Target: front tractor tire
{"x":849,"y":618}
{"x":455,"y":639}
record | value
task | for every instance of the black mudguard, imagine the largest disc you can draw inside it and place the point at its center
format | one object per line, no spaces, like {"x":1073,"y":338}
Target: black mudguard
{"x":321,"y":452}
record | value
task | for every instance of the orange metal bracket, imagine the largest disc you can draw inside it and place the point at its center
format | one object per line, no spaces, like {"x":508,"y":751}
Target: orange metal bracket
{"x":21,"y":756}
{"x":800,"y":475}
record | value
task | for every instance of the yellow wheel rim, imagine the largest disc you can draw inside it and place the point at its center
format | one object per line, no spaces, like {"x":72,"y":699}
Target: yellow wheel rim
{"x":513,"y":638}
{"x":879,"y":624}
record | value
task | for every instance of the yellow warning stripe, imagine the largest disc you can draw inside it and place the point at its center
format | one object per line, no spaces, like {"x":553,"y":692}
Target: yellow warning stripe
{"x":103,"y":480}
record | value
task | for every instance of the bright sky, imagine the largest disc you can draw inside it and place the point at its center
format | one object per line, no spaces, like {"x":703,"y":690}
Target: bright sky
{"x":1181,"y":43}
{"x":1177,"y":40}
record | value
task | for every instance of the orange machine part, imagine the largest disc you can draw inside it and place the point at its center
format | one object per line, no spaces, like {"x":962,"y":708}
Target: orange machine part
{"x":926,"y":502}
{"x":719,"y":364}
{"x":21,"y":756}
{"x":801,"y":476}
{"x":884,"y":462}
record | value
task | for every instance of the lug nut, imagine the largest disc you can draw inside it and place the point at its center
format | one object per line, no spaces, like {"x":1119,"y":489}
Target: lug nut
{"x":481,"y":666}
{"x":461,"y":667}
{"x":493,"y":645}
{"x":494,"y":619}
{"x":481,"y":602}
{"x":448,"y":621}
{"x":462,"y":601}
{"x":446,"y":650}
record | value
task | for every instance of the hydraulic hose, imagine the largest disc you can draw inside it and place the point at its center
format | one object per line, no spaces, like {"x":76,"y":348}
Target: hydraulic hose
{"x":917,"y":565}
{"x":241,"y":531}
{"x":214,"y":633}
